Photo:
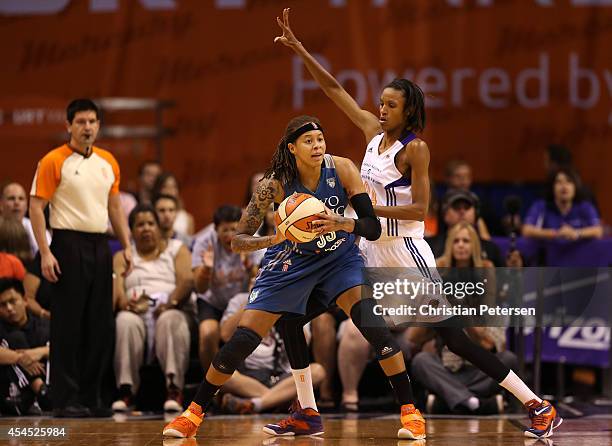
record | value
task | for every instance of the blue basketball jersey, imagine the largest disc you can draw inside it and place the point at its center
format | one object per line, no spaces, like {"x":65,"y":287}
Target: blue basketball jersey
{"x":325,"y":267}
{"x":333,"y":195}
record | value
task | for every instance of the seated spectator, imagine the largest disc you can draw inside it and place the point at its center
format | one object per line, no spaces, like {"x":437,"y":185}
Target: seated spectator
{"x":564,"y":214}
{"x":459,"y":176}
{"x":147,"y":174}
{"x":264,"y":381}
{"x":463,"y":248}
{"x":454,"y":383}
{"x":14,"y":239}
{"x":11,"y":266}
{"x":23,"y":353}
{"x":14,"y":203}
{"x":458,"y":206}
{"x":149,"y":323}
{"x":210,"y":227}
{"x":167,"y":184}
{"x":219,"y":274}
{"x":558,"y":157}
{"x":166,"y":207}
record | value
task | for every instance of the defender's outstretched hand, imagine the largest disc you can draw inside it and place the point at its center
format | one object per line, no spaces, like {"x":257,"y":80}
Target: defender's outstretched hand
{"x":288,"y":38}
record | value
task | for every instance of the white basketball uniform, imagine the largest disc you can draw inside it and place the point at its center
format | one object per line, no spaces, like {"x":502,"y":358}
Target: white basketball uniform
{"x":401,"y":243}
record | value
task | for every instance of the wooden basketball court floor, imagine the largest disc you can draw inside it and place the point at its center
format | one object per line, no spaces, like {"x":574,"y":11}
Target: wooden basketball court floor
{"x":342,"y":430}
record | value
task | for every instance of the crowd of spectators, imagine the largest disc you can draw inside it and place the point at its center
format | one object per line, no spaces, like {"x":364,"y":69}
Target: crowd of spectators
{"x":179,"y":294}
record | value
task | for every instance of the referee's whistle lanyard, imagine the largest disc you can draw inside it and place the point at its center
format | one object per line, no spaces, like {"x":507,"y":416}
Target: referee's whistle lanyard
{"x":84,"y":156}
{"x":87,"y":154}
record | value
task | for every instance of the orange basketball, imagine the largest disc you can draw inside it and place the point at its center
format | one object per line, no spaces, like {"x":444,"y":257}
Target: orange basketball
{"x":295,"y":215}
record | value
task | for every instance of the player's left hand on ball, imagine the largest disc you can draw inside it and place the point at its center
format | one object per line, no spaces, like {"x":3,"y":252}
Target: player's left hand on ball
{"x":329,"y":222}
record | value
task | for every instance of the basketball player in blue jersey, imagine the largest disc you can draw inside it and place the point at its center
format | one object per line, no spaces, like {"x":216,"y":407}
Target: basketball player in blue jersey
{"x":395,"y":174}
{"x":301,"y":280}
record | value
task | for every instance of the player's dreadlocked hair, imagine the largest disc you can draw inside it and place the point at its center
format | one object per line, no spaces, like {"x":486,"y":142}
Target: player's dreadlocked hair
{"x":414,"y":105}
{"x":283,"y":167}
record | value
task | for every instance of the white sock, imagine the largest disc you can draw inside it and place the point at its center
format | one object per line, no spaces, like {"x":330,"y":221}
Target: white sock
{"x":515,"y":385}
{"x":256,"y":404}
{"x":472,"y":403}
{"x":303,"y":384}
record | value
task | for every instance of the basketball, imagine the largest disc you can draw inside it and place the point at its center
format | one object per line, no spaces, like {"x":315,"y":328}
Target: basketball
{"x":295,"y":215}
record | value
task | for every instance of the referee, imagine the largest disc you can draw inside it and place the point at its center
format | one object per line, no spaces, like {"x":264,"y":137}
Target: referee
{"x":80,"y":182}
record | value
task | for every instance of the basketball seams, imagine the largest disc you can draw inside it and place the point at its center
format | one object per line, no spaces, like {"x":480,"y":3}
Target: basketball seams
{"x":288,"y":221}
{"x":312,"y":217}
{"x":291,"y":210}
{"x":288,"y":212}
{"x":297,"y":232}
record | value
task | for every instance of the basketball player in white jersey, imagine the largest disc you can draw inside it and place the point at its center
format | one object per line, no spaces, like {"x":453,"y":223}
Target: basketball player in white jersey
{"x":395,"y":173}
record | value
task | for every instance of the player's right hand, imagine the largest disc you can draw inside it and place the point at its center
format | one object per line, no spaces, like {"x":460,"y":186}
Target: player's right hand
{"x":288,"y":38}
{"x":50,"y":267}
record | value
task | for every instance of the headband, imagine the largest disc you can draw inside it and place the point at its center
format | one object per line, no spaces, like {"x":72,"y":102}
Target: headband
{"x":293,"y":136}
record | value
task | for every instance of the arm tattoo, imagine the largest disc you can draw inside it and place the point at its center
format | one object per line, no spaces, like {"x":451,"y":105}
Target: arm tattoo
{"x":247,"y":243}
{"x":253,"y":216}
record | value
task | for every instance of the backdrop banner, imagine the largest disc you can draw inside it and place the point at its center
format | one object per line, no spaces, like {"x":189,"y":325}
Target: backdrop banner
{"x":503,"y":79}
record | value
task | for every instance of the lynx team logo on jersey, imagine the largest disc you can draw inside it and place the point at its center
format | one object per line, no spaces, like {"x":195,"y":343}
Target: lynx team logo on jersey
{"x":331,"y":182}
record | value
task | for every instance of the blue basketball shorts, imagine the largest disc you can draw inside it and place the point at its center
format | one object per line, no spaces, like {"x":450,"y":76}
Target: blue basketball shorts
{"x":287,"y":280}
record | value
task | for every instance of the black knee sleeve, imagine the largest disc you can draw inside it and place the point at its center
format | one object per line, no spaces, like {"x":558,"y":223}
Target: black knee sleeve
{"x":292,"y":333}
{"x":374,"y":329}
{"x":234,"y":352}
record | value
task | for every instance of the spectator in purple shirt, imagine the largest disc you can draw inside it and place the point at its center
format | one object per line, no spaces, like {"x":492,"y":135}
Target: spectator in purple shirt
{"x":563,"y":214}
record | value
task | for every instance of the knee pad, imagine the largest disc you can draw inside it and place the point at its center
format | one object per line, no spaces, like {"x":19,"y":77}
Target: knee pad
{"x":374,"y":329}
{"x":292,"y":333}
{"x":235,"y":351}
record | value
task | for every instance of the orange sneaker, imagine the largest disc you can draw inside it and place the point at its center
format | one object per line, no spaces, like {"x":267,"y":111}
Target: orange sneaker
{"x":185,"y":425}
{"x":413,"y":423}
{"x":543,"y":419}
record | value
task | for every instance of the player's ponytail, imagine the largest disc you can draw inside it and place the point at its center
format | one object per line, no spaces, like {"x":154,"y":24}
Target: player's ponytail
{"x":283,"y":166}
{"x":414,"y":104}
